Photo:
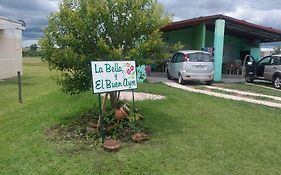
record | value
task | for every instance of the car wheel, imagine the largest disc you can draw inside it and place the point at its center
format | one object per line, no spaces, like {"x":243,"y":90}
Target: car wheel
{"x":249,"y":79}
{"x":168,"y":75}
{"x":277,"y":82}
{"x":180,"y":80}
{"x":209,"y":83}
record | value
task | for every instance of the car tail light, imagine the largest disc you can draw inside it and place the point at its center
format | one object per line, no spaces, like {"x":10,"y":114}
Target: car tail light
{"x":186,"y":57}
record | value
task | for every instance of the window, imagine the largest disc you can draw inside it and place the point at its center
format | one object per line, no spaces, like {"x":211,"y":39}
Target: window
{"x":179,"y":58}
{"x":199,"y":57}
{"x":174,"y":58}
{"x":275,"y":60}
{"x":265,"y":60}
{"x":249,"y":60}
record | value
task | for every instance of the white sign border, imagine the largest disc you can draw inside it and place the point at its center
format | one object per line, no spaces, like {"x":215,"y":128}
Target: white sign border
{"x":130,"y":89}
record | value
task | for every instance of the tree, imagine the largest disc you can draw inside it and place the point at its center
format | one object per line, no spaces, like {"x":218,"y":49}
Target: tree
{"x":87,"y":30}
{"x":33,"y":47}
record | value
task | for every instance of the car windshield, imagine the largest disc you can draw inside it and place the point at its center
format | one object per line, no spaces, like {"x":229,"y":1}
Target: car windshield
{"x":199,"y":57}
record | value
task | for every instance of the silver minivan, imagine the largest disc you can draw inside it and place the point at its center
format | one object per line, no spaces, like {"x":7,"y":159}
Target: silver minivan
{"x":191,"y":65}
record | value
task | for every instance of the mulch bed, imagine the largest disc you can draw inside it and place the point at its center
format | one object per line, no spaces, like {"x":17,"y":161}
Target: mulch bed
{"x":83,"y":130}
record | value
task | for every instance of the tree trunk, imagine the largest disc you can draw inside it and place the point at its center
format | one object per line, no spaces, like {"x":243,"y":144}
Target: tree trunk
{"x":118,"y":95}
{"x":104,"y":102}
{"x":113,"y":100}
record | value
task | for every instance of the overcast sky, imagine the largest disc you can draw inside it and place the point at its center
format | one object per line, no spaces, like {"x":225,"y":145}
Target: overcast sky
{"x":35,"y":12}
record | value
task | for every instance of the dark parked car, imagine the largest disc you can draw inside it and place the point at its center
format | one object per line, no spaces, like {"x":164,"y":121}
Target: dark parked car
{"x":268,"y":68}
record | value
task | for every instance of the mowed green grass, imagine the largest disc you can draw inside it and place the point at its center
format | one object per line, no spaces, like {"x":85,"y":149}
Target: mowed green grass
{"x":189,"y":133}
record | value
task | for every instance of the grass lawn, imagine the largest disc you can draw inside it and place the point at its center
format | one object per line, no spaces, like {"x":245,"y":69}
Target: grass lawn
{"x":190,"y":133}
{"x":253,"y":88}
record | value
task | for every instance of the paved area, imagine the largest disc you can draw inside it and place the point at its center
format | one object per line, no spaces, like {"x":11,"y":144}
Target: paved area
{"x":238,"y":96}
{"x":161,"y":77}
{"x":157,"y":77}
{"x":139,"y":96}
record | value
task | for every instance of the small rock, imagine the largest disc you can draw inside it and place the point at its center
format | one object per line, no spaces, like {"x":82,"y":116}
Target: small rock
{"x":111,"y":145}
{"x":139,"y":137}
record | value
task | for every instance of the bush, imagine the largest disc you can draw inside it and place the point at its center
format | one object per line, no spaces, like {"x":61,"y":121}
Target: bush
{"x":31,"y":53}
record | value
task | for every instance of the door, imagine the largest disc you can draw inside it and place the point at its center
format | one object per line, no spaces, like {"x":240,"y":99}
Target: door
{"x":178,"y":64}
{"x":199,"y":63}
{"x":172,"y":65}
{"x":261,"y":65}
{"x":249,"y":66}
{"x":271,"y":67}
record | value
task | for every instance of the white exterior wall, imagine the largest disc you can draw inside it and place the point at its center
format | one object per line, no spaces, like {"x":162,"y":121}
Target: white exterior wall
{"x":10,"y":48}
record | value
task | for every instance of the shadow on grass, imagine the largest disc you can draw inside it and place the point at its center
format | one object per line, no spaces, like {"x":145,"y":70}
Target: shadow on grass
{"x":159,"y":122}
{"x":26,"y":81}
{"x":91,"y":112}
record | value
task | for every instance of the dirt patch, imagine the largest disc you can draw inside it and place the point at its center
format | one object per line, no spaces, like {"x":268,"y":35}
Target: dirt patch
{"x":76,"y":130}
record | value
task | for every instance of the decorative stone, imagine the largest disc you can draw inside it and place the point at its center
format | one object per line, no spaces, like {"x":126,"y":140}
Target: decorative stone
{"x":111,"y":145}
{"x":140,"y":137}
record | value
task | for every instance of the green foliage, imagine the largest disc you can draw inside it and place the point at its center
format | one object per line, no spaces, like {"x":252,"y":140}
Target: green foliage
{"x":30,"y":53}
{"x":84,"y":31}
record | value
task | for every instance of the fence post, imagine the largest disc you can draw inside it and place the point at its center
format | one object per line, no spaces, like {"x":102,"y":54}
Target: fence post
{"x":19,"y":87}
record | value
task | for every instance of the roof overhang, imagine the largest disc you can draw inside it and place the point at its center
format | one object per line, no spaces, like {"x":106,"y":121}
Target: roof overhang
{"x":10,"y":24}
{"x":234,"y":27}
{"x":11,"y":27}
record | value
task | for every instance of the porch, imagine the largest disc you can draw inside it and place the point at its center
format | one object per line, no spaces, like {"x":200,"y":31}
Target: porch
{"x":228,"y":39}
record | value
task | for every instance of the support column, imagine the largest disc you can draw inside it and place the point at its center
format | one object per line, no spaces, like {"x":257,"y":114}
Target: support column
{"x":203,"y":36}
{"x":218,"y":45}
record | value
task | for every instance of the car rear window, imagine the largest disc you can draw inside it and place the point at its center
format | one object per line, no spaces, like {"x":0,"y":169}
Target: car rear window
{"x":199,"y":57}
